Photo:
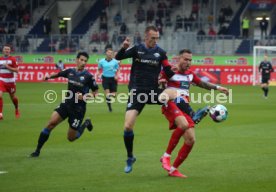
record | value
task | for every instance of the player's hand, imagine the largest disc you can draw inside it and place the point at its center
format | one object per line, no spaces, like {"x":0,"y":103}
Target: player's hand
{"x":126,"y":43}
{"x":116,"y":77}
{"x":223,"y":90}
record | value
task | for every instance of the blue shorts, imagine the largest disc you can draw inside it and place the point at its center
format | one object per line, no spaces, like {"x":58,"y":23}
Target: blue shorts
{"x":75,"y":114}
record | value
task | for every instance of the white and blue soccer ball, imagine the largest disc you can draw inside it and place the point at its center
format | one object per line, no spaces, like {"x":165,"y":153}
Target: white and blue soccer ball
{"x":218,"y":113}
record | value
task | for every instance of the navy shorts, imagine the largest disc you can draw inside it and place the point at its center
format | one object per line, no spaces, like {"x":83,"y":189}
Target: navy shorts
{"x":109,"y":83}
{"x":140,"y":98}
{"x":75,"y":114}
{"x":265,"y":79}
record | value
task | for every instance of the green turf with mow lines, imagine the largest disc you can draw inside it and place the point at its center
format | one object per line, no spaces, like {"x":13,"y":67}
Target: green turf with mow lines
{"x":236,"y":155}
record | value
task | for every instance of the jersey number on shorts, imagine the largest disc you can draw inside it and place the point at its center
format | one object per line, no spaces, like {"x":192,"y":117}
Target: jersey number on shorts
{"x":76,"y":123}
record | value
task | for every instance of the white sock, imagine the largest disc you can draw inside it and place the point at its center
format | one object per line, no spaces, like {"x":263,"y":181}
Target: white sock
{"x":166,"y":155}
{"x":172,"y":169}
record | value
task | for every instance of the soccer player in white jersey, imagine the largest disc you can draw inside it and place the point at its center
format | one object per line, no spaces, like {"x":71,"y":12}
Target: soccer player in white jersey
{"x":8,"y":66}
{"x":178,"y":113}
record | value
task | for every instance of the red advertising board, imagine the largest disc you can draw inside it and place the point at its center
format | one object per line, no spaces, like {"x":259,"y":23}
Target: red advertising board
{"x":231,"y":75}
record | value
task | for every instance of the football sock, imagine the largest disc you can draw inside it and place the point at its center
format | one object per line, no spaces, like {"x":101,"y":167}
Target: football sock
{"x":128,"y":139}
{"x":183,"y":106}
{"x":15,"y":102}
{"x":44,"y":135}
{"x":266,"y":91}
{"x":176,"y":135}
{"x":182,"y":154}
{"x":108,"y":102}
{"x":80,"y":130}
{"x":1,"y":105}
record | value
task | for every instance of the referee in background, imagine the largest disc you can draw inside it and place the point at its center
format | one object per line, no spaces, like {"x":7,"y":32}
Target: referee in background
{"x":109,"y":67}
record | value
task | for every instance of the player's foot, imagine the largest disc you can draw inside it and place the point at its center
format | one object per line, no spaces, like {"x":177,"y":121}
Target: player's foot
{"x":166,"y":163}
{"x":17,"y":113}
{"x":35,"y":154}
{"x":200,"y":114}
{"x":87,"y":123}
{"x":109,"y":109}
{"x":129,"y":162}
{"x":176,"y":173}
{"x":1,"y":116}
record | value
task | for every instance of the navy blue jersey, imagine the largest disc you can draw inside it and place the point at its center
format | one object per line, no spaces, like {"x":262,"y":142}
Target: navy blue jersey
{"x":266,"y":68}
{"x":146,"y":65}
{"x":78,"y":82}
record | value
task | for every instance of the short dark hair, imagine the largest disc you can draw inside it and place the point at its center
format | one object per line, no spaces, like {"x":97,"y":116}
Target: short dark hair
{"x":151,"y":28}
{"x":108,"y":49}
{"x":185,"y":51}
{"x":83,"y":54}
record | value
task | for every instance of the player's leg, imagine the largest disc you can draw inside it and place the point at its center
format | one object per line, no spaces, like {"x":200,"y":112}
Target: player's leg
{"x":130,"y":118}
{"x":14,"y":99}
{"x":45,"y":133}
{"x":1,"y":105}
{"x":113,"y":90}
{"x":189,"y":137}
{"x":179,"y":123}
{"x":76,"y":129}
{"x":2,"y":90}
{"x":106,"y":88}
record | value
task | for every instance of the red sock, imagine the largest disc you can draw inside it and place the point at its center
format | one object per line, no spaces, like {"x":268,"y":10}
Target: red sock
{"x":177,"y":133}
{"x":182,"y":154}
{"x":1,"y":105}
{"x":15,"y":102}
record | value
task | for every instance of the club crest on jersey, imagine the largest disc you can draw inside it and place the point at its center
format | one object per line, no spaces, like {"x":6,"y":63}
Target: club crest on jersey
{"x":156,"y":55}
{"x":81,"y":78}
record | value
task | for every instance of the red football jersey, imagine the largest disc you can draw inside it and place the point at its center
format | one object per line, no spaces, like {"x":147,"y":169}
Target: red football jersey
{"x":6,"y":75}
{"x":181,"y":82}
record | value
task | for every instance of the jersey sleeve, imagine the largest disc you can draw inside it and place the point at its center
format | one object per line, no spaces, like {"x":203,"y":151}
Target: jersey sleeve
{"x":126,"y":53}
{"x":64,"y":73}
{"x":271,"y":68}
{"x":92,"y":83}
{"x":100,"y":64}
{"x":166,"y":66}
{"x":196,"y":80}
{"x":14,"y":63}
{"x":163,"y":75}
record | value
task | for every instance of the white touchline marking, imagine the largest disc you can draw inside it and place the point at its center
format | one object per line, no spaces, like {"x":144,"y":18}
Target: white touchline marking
{"x":3,"y":172}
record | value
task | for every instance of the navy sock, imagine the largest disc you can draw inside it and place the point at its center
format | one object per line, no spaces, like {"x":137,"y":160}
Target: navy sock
{"x":128,"y":139}
{"x":43,"y":137}
{"x":183,"y":106}
{"x":266,"y":91}
{"x":108,"y":101}
{"x":81,"y":130}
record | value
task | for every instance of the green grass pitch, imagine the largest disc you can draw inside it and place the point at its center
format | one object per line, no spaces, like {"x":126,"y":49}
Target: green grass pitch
{"x":236,"y":155}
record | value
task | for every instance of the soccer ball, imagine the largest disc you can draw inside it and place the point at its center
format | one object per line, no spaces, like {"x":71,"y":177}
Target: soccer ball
{"x":218,"y":113}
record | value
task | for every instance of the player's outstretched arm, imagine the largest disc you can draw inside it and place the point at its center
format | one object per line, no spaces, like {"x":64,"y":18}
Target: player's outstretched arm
{"x":125,"y":51}
{"x":209,"y":86}
{"x":52,"y":76}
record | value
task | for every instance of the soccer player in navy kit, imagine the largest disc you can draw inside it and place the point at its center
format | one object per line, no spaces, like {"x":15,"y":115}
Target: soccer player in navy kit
{"x":147,"y":60}
{"x":265,"y":68}
{"x":79,"y":83}
{"x":110,"y":73}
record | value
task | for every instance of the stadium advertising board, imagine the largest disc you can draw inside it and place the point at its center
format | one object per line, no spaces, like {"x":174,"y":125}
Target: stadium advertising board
{"x":214,"y":74}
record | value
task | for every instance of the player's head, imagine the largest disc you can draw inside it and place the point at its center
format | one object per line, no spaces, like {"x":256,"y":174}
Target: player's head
{"x":6,"y":50}
{"x":151,"y":36}
{"x":185,"y":59}
{"x":109,"y":53}
{"x":81,"y":60}
{"x":265,"y":57}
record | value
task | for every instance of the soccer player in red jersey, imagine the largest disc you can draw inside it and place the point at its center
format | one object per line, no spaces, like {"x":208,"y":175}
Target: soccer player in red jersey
{"x":178,"y":112}
{"x":8,"y":67}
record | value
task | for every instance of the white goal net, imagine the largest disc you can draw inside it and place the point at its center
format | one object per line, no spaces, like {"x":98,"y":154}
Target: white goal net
{"x":258,"y":56}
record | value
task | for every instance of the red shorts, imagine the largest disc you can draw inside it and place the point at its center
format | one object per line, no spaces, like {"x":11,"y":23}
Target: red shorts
{"x":7,"y":87}
{"x":171,"y":111}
